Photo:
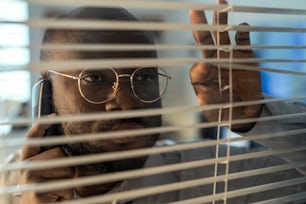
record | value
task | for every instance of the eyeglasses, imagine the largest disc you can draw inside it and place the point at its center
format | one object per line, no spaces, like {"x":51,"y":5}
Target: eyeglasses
{"x":99,"y":86}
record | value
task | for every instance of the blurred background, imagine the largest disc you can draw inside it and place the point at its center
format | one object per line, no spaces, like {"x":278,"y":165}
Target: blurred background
{"x":15,"y":86}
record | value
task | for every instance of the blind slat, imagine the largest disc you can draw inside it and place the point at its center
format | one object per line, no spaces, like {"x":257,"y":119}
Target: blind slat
{"x":245,"y":191}
{"x":161,"y":62}
{"x":220,"y":63}
{"x":284,"y":199}
{"x":79,"y":160}
{"x":169,"y":5}
{"x":62,"y":184}
{"x":144,"y":47}
{"x":151,"y":26}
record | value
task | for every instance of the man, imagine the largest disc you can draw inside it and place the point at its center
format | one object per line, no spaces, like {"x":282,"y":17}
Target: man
{"x":74,"y":92}
{"x":81,"y":97}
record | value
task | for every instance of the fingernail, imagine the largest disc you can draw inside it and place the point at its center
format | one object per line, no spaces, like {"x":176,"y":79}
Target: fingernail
{"x":52,"y":115}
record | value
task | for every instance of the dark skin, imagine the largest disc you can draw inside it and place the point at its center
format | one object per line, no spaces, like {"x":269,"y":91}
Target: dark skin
{"x":204,"y":78}
{"x":73,"y":103}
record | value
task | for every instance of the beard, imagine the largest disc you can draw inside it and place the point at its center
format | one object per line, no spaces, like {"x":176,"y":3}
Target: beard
{"x":100,"y":146}
{"x":108,"y":166}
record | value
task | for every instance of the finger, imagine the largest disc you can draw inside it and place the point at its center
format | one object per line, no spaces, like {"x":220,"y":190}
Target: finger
{"x":243,"y":37}
{"x":60,"y":172}
{"x":201,"y":37}
{"x":202,"y":74}
{"x":31,"y":150}
{"x":36,"y":131}
{"x":54,"y":173}
{"x":65,"y":194}
{"x":221,"y":18}
{"x":59,"y":195}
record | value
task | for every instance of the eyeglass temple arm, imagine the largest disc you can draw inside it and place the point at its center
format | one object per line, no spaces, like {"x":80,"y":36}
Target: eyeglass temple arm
{"x":165,"y":75}
{"x":64,"y":75}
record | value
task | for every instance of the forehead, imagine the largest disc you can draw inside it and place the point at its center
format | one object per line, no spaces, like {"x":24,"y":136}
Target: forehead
{"x":70,"y":56}
{"x":99,"y":38}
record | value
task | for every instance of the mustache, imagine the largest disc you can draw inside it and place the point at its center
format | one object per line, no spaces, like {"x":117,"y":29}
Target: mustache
{"x":107,"y":125}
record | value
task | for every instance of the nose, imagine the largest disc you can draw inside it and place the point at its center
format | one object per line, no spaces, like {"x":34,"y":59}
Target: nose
{"x":124,"y":99}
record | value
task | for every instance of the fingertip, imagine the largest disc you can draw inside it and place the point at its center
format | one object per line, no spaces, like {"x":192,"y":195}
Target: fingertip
{"x":195,"y":13}
{"x":244,"y":24}
{"x":243,"y":37}
{"x":45,"y":126}
{"x":37,"y":130}
{"x":52,"y":115}
{"x":197,"y":17}
{"x":222,"y":1}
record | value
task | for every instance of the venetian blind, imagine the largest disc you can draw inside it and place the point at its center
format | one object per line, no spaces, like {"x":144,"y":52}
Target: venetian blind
{"x":209,"y":163}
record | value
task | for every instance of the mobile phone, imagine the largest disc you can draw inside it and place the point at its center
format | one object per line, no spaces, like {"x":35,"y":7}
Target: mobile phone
{"x":42,"y":104}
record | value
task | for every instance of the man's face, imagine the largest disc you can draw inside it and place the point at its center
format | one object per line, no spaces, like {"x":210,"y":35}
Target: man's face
{"x":68,"y":100}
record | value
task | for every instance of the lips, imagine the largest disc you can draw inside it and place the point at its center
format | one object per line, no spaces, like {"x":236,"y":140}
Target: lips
{"x":122,"y":127}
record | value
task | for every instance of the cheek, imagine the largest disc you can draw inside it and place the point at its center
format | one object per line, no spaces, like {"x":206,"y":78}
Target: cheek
{"x":67,"y":99}
{"x":86,"y":107}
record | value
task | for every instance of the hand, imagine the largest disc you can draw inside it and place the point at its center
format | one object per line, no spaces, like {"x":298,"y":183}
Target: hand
{"x":211,"y":84}
{"x":32,"y":153}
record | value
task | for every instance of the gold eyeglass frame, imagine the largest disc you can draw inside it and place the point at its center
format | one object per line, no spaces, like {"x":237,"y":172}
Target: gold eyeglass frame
{"x":116,"y":84}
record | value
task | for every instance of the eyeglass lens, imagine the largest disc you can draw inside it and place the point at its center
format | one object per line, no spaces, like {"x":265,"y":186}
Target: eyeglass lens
{"x":148,"y":84}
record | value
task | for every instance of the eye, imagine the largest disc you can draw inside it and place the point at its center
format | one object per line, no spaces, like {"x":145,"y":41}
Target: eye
{"x":93,"y":78}
{"x":145,"y":76}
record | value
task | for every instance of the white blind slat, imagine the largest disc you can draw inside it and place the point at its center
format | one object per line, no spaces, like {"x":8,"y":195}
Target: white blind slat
{"x":245,"y":191}
{"x":68,"y":183}
{"x":126,"y":63}
{"x":284,"y":199}
{"x":79,"y":160}
{"x":151,"y":26}
{"x":171,"y":6}
{"x":144,"y":47}
{"x":169,"y":62}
